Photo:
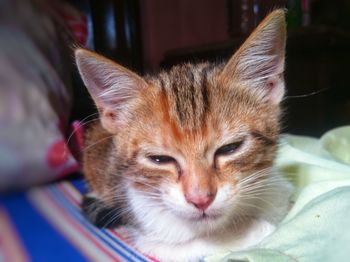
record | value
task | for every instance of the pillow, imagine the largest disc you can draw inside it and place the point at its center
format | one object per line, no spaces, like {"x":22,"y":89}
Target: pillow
{"x":36,"y":96}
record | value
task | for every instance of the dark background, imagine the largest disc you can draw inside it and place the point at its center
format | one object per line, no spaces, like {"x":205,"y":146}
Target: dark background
{"x":153,"y":34}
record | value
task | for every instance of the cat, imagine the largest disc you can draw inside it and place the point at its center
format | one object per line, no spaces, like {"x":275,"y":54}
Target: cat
{"x":185,"y":158}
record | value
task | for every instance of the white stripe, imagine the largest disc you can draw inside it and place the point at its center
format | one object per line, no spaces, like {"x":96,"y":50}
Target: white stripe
{"x":39,"y":199}
{"x":132,"y":253}
{"x":96,"y":234}
{"x":11,"y":247}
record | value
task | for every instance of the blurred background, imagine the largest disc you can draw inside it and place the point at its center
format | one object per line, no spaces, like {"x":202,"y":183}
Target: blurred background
{"x":41,"y":93}
{"x":153,"y":34}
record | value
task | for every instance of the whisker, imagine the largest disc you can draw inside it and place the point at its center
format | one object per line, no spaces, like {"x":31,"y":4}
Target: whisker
{"x":82,"y":123}
{"x":309,"y":94}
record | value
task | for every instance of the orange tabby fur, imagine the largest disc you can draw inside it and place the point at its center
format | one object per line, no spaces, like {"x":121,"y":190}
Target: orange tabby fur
{"x":188,"y":113}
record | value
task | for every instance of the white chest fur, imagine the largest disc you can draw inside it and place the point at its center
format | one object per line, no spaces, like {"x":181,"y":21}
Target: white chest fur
{"x":197,"y":248}
{"x":165,"y":236}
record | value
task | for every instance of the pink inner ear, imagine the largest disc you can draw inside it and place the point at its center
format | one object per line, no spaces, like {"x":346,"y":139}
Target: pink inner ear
{"x":111,"y":115}
{"x":259,"y":62}
{"x":109,"y":120}
{"x":270,"y":86}
{"x":275,"y":89}
{"x":108,"y":82}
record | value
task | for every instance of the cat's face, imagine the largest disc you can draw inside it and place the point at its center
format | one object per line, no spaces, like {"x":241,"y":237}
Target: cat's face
{"x":196,"y":143}
{"x":193,"y":139}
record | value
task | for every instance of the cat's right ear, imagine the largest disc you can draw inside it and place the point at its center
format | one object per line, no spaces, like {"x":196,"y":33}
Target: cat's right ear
{"x":259,"y":62}
{"x":113,"y":88}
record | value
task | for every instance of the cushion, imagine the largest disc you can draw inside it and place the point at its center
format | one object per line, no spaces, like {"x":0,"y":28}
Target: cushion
{"x":36,"y":95}
{"x":316,"y":228}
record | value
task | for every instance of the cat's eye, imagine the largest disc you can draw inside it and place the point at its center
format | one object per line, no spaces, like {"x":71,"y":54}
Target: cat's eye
{"x":161,"y":159}
{"x":228,"y":149}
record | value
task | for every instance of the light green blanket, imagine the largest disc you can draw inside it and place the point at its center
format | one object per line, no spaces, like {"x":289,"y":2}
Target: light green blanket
{"x":317,"y":228}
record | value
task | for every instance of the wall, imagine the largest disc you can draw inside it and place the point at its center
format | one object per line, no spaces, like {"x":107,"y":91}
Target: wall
{"x":169,"y":24}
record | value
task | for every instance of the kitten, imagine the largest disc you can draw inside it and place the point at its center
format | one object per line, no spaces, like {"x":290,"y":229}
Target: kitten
{"x":184,"y":158}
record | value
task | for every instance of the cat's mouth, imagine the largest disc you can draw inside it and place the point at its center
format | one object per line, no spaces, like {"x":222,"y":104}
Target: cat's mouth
{"x":199,"y":217}
{"x":205,"y":217}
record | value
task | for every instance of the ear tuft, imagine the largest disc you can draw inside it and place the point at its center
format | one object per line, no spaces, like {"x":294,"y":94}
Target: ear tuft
{"x":112,"y":87}
{"x":259,"y":62}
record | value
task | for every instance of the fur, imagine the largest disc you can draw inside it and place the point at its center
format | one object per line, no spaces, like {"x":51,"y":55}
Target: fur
{"x":200,"y":201}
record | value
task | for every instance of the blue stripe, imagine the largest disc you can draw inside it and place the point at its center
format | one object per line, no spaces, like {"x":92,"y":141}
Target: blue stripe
{"x":41,"y":240}
{"x":80,"y":185}
{"x":87,"y":225}
{"x":78,"y":215}
{"x":83,"y":186}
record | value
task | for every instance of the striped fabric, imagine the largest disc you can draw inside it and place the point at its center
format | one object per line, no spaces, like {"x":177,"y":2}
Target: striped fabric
{"x":46,"y":224}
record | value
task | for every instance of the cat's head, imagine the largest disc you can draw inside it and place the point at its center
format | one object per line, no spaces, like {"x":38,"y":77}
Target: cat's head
{"x":195,"y":143}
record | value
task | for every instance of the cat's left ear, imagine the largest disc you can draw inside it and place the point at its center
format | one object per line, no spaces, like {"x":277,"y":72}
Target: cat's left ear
{"x":113,"y":88}
{"x":259,"y":62}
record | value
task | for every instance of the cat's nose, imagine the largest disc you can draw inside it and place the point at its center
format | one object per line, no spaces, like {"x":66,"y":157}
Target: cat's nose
{"x":200,"y":200}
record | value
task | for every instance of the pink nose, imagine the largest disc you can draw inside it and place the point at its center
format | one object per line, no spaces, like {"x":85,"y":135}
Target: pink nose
{"x":200,"y":201}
